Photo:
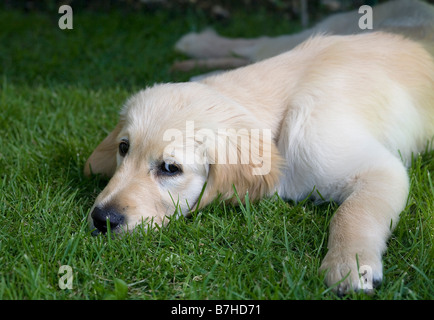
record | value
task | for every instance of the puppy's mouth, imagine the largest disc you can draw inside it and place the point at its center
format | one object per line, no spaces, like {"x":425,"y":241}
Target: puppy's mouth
{"x":95,"y":231}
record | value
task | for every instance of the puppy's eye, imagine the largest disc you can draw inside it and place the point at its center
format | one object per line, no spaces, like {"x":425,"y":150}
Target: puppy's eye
{"x":169,"y":168}
{"x":123,"y":147}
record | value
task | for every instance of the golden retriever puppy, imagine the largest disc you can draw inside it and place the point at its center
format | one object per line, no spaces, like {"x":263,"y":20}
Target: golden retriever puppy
{"x":341,"y":115}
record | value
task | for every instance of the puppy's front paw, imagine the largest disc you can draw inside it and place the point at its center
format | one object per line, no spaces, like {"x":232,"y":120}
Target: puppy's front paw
{"x":347,"y":272}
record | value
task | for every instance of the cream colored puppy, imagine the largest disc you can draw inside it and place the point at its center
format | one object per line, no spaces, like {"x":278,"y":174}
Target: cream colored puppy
{"x":341,"y":115}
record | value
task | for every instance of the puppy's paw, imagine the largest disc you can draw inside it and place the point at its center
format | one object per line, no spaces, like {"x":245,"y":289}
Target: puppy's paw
{"x":346,"y":272}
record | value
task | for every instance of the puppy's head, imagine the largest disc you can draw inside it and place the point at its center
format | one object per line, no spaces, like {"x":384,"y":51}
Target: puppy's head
{"x":171,"y":141}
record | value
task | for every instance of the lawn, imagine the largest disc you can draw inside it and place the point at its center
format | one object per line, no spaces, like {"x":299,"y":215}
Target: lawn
{"x":60,"y":93}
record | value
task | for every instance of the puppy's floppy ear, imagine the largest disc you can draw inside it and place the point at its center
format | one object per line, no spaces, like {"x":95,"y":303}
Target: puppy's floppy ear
{"x":103,"y":158}
{"x":259,"y":177}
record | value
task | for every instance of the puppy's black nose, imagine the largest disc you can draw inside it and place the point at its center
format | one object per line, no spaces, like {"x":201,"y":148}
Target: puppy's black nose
{"x":101,"y":215}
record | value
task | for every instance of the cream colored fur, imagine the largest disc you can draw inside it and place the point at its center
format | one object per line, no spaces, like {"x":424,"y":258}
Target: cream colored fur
{"x":345,"y":113}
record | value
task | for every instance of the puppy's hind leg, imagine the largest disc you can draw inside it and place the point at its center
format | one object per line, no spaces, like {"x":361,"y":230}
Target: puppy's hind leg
{"x":362,"y":224}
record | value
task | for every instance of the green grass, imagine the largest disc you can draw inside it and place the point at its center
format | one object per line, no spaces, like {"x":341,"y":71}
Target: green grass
{"x":60,"y":92}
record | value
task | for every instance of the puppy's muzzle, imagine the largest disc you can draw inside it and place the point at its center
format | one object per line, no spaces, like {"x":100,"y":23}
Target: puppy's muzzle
{"x":104,"y":216}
